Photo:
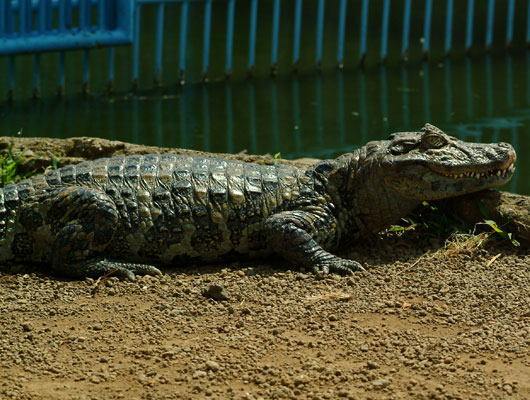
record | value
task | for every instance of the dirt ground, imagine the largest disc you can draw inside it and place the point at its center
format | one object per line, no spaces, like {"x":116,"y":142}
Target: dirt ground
{"x":423,"y":322}
{"x":453,"y":325}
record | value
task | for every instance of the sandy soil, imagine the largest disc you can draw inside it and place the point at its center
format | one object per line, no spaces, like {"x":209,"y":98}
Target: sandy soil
{"x":453,"y":324}
{"x":423,"y":322}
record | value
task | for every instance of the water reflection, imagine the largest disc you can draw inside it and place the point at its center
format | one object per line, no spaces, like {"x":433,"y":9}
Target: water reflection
{"x":301,"y":116}
{"x":297,"y":120}
{"x":275,"y":116}
{"x":206,"y":117}
{"x":405,"y":89}
{"x":448,"y":91}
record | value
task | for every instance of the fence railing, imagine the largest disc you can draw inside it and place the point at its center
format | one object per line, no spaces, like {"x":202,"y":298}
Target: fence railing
{"x":28,"y":26}
{"x":209,"y":39}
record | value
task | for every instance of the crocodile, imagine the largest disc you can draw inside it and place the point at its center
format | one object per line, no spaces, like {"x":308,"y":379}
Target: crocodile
{"x":129,"y":215}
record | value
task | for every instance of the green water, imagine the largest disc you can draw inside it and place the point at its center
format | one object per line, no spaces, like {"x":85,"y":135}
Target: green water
{"x":315,"y":115}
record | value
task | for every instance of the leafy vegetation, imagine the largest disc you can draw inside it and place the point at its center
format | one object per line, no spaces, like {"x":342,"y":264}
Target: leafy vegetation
{"x":503,"y":234}
{"x":429,"y":222}
{"x":496,"y":227}
{"x":10,"y":167}
{"x":55,"y":160}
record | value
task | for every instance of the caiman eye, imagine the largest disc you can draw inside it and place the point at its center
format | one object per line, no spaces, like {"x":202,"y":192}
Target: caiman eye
{"x":433,"y":141}
{"x":402,"y":148}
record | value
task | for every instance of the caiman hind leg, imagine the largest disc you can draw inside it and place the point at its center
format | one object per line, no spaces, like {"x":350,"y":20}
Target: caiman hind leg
{"x":85,"y":221}
{"x":295,"y":234}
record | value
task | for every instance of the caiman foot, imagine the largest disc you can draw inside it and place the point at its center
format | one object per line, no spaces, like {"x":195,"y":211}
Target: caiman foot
{"x":342,"y":266}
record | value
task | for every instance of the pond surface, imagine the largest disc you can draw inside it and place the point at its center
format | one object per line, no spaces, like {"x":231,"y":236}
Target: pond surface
{"x":484,"y":100}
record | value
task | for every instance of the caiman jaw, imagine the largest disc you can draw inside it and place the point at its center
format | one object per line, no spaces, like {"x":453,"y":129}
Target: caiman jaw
{"x":507,"y":169}
{"x":485,"y":174}
{"x":430,"y":165}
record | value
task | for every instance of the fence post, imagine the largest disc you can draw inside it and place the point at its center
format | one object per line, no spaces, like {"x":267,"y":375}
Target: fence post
{"x":206,"y":39}
{"x":136,"y":46}
{"x":297,"y":32}
{"x":183,"y":40}
{"x":449,"y":26}
{"x":406,"y":30}
{"x":320,"y":32}
{"x":427,"y":28}
{"x":159,"y":44}
{"x":527,"y":22}
{"x":509,"y":22}
{"x":275,"y":36}
{"x":252,"y":36}
{"x":3,"y":15}
{"x":229,"y":36}
{"x":384,"y":29}
{"x":490,"y":24}
{"x":469,"y":24}
{"x":364,"y":31}
{"x":84,"y":18}
{"x":341,"y":33}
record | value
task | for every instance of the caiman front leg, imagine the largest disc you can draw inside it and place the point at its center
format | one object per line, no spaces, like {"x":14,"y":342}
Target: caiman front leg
{"x":295,"y":235}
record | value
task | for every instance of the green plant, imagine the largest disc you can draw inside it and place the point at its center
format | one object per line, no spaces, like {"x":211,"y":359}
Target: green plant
{"x":488,"y":220}
{"x":431,"y":221}
{"x":428,"y":222}
{"x":408,"y":225}
{"x":500,"y":232}
{"x":9,"y":167}
{"x":55,"y":163}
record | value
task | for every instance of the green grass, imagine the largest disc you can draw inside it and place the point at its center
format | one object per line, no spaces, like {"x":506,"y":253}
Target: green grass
{"x":10,"y":163}
{"x":12,"y":168}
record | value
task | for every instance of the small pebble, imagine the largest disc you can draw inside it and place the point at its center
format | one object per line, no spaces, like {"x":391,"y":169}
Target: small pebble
{"x":216,"y":292}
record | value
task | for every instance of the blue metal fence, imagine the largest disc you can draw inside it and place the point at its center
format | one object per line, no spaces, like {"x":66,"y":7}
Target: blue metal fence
{"x":361,"y":29}
{"x":30,"y":26}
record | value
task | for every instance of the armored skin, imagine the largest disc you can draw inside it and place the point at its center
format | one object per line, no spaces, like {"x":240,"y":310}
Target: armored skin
{"x":128,"y":215}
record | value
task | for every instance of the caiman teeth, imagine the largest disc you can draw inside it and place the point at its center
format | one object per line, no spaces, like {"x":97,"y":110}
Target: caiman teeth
{"x":477,"y":175}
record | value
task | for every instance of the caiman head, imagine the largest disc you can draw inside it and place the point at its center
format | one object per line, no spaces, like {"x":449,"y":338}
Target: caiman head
{"x":385,"y":180}
{"x":430,"y":165}
{"x":381,"y":182}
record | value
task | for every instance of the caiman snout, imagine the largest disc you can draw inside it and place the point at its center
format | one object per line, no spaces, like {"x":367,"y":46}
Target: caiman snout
{"x":503,"y":152}
{"x":511,"y":153}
